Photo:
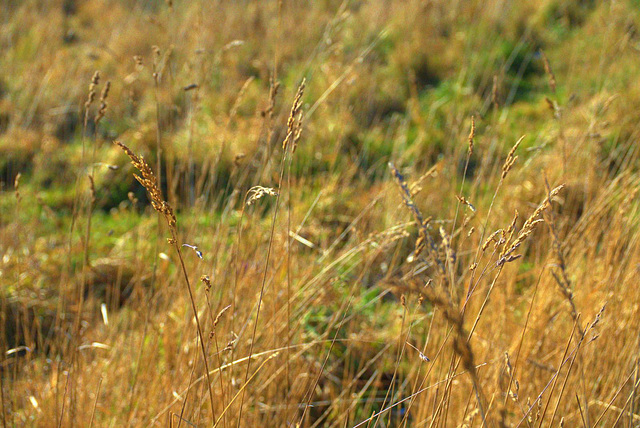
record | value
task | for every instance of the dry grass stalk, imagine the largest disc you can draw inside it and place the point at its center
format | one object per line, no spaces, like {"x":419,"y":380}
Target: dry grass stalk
{"x":513,"y":392}
{"x":103,"y":102}
{"x":294,"y":131}
{"x":598,"y":317}
{"x":238,"y":101}
{"x":416,"y":186}
{"x":464,"y":201}
{"x":560,"y":273}
{"x":511,"y":159}
{"x":274,"y":87}
{"x":148,"y":181}
{"x":506,"y":235}
{"x":548,"y":71}
{"x":92,"y":189}
{"x":420,"y":354}
{"x":553,"y":106}
{"x":461,"y":345}
{"x":468,"y":420}
{"x":492,"y":238}
{"x":258,"y":192}
{"x":206,"y":281}
{"x":472,"y":134}
{"x":294,"y":122}
{"x":156,"y":63}
{"x":95,"y":81}
{"x":446,"y":243}
{"x":424,"y":239}
{"x":219,"y":316}
{"x":16,"y":186}
{"x":527,"y":228}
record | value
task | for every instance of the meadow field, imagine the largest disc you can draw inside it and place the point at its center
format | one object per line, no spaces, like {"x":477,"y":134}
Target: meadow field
{"x":332,"y":213}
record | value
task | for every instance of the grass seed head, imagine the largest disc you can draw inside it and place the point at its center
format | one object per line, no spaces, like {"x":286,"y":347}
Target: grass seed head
{"x":258,"y":192}
{"x":149,"y":182}
{"x":511,"y":158}
{"x":103,"y":102}
{"x":95,"y":80}
{"x":294,"y":122}
{"x":206,"y":281}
